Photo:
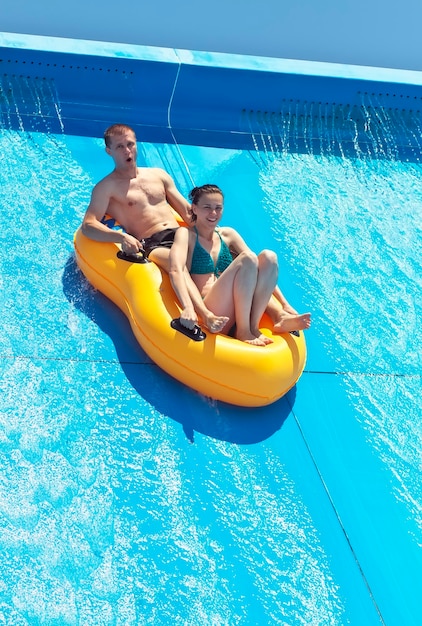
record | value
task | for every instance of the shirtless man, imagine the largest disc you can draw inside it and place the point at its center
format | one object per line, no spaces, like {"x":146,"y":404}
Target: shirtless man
{"x":141,"y":199}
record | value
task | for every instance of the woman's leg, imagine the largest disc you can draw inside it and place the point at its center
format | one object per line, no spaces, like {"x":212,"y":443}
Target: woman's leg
{"x":265,"y":285}
{"x":232,"y":295}
{"x":285,"y":318}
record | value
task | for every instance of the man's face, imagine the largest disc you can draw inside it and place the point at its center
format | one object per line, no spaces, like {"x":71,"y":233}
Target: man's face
{"x":123,"y":149}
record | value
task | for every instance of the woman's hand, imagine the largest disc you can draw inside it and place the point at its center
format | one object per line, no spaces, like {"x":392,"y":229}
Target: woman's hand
{"x":188,"y":317}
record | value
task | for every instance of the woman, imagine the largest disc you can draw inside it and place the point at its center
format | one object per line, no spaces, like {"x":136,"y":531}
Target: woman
{"x":238,"y":288}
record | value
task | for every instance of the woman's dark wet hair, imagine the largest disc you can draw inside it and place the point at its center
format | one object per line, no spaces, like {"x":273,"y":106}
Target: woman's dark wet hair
{"x":197,"y":192}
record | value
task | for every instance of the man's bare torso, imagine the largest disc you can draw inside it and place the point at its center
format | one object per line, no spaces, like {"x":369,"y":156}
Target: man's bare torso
{"x":140,"y":203}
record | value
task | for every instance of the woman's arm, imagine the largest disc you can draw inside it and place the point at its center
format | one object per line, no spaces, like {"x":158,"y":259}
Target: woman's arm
{"x":178,"y":277}
{"x":186,"y":290}
{"x":233,"y":239}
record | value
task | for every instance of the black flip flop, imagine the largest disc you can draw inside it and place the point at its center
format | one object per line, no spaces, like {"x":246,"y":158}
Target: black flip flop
{"x":195,"y":333}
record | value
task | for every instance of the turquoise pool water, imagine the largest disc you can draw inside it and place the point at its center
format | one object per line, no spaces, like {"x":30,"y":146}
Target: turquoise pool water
{"x":126,"y":498}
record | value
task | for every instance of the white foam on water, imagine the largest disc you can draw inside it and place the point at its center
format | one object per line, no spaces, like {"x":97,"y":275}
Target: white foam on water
{"x":350,"y":231}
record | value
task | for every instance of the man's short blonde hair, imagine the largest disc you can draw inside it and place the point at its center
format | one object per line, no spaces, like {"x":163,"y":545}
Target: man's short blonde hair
{"x":115,"y":129}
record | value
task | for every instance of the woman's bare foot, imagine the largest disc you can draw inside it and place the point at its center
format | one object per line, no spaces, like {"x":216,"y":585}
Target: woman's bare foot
{"x":289,"y":322}
{"x":215,"y":323}
{"x":256,"y":341}
{"x":249,"y":338}
{"x":262,"y":337}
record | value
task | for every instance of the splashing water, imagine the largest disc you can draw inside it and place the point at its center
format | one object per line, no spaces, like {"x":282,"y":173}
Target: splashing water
{"x":352,"y":228}
{"x":99,"y":521}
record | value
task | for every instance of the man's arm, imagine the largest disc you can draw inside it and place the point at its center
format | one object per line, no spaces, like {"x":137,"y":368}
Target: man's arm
{"x":93,"y":228}
{"x":175,"y":198}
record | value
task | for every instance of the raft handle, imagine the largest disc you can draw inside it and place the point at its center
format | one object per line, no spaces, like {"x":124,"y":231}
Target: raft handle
{"x":139,"y":257}
{"x":196,"y":333}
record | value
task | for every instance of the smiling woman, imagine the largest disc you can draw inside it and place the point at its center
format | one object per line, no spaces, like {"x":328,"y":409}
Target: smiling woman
{"x":240,"y":289}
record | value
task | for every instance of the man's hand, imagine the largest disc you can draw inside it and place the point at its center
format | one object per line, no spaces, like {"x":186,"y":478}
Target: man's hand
{"x":131,"y":245}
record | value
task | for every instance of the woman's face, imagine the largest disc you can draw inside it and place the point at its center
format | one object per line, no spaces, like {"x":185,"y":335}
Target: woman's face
{"x":209,"y":208}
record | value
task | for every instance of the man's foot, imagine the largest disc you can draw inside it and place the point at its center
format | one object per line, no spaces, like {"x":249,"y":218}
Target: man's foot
{"x":215,"y":323}
{"x":289,"y":322}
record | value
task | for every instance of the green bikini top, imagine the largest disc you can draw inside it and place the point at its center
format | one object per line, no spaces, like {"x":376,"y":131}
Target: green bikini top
{"x":202,"y":262}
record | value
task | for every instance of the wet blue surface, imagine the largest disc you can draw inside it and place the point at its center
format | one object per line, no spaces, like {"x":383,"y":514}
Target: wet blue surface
{"x":127,"y":498}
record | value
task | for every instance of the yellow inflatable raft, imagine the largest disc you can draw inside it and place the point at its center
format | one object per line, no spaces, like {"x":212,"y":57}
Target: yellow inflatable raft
{"x":217,"y":366}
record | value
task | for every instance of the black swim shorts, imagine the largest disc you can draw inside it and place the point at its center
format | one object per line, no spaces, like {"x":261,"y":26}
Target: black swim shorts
{"x":162,"y":239}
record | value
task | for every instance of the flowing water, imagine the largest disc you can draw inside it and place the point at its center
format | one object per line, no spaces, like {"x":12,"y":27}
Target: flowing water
{"x":110,"y":511}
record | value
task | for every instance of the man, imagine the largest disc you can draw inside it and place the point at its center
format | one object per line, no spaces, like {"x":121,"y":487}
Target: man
{"x":141,"y":199}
